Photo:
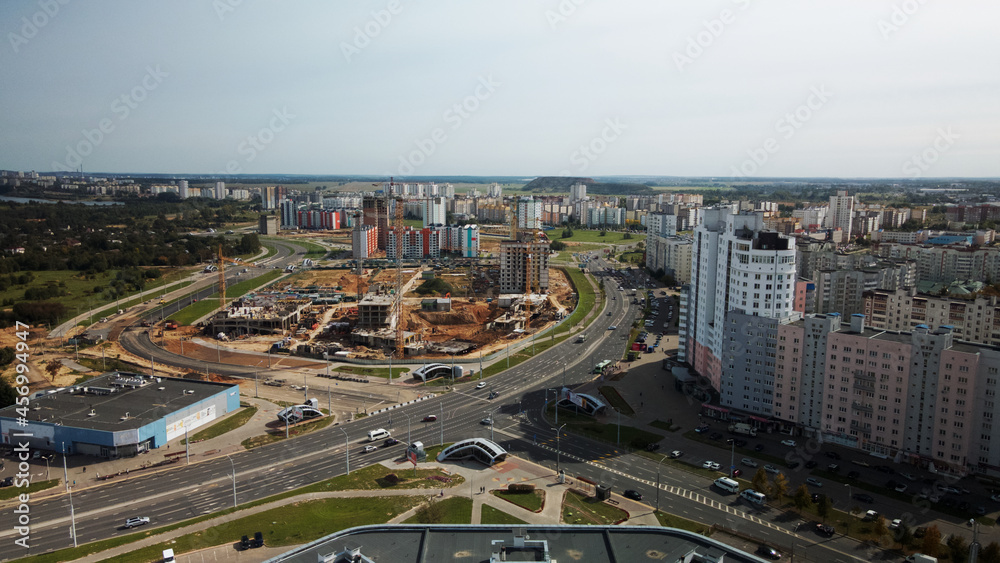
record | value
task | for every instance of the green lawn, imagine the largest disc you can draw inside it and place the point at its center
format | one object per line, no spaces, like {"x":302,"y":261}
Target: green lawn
{"x":453,"y":510}
{"x":373,"y":478}
{"x":532,"y":501}
{"x":583,"y":424}
{"x":490,"y":515}
{"x":587,"y":299}
{"x":611,"y":237}
{"x":284,"y":526}
{"x":580,"y":509}
{"x":313,"y":250}
{"x":397,"y":372}
{"x":227,"y":424}
{"x":199,"y":309}
{"x":616,"y":400}
{"x":34,"y":487}
{"x":672,"y":521}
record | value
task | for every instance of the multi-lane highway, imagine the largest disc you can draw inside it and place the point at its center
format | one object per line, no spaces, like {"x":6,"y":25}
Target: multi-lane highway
{"x":189,"y":491}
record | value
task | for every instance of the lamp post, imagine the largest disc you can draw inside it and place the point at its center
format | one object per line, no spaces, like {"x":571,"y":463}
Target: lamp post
{"x":974,"y":546}
{"x":234,"y":479}
{"x":558,"y":446}
{"x":732,"y":456}
{"x":658,"y":482}
{"x":564,"y":374}
{"x":408,"y":441}
{"x":347,"y":449}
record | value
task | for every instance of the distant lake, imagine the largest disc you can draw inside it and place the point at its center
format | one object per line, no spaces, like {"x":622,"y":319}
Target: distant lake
{"x":34,"y":200}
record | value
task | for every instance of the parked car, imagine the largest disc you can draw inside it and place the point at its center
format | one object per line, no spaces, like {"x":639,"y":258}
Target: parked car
{"x":810,"y":464}
{"x":676,"y":454}
{"x":908,"y":476}
{"x":865,"y":498}
{"x":825,"y":530}
{"x":748,"y":462}
{"x":814,"y":482}
{"x":487,"y":421}
{"x":258,"y":540}
{"x":870,"y":516}
{"x":771,"y":469}
{"x":709,"y":464}
{"x":832,"y":455}
{"x":895,"y":524}
{"x":716,"y":436}
{"x":789,"y":443}
{"x":244,"y":543}
{"x":632,"y":494}
{"x":758,"y":448}
{"x":900,"y":488}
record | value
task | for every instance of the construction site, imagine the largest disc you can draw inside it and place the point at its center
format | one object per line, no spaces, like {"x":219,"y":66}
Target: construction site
{"x":403,"y":308}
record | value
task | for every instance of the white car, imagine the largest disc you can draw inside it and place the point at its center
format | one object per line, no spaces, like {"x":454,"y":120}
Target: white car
{"x":370,"y":449}
{"x":676,"y":454}
{"x":789,"y":443}
{"x":748,"y":462}
{"x":771,"y":469}
{"x":612,"y":327}
{"x":709,"y":464}
{"x":481,"y":385}
{"x":894,"y":525}
{"x":137,"y":521}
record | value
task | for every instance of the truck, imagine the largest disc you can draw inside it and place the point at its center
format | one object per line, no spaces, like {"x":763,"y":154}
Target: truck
{"x":742,"y":428}
{"x":582,"y":338}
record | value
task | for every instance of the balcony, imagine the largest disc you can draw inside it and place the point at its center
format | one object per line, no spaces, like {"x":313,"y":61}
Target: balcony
{"x":864,"y":386}
{"x":862,"y":407}
{"x":866,"y":428}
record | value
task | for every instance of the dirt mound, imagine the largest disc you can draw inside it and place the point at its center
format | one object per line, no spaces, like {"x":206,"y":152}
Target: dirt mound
{"x":452,"y":318}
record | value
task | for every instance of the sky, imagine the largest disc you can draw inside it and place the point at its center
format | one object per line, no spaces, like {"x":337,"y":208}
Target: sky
{"x":723,"y":88}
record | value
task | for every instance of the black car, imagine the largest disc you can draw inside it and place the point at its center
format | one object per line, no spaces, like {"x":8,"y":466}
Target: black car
{"x":390,"y":442}
{"x":825,"y":530}
{"x":8,"y":481}
{"x":810,"y":464}
{"x":758,"y":448}
{"x":632,"y":494}
{"x":833,"y":455}
{"x":864,"y":498}
{"x":853,"y":475}
{"x":258,"y":540}
{"x":793,"y":464}
{"x":244,"y":543}
{"x":716,"y":436}
{"x":769,"y":552}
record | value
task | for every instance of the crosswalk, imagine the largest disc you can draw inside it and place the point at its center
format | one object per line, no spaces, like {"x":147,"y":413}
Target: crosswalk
{"x":669,"y":489}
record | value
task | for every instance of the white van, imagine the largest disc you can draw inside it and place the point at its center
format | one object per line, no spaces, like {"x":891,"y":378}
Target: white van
{"x":168,"y":556}
{"x":753,"y":496}
{"x":727,"y":484}
{"x":378,"y":434}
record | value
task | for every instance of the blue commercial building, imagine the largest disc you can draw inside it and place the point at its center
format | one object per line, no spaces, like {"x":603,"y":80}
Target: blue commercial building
{"x":116,"y":414}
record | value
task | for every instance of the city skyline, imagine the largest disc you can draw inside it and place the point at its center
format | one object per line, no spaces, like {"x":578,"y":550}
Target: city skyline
{"x":730,"y":88}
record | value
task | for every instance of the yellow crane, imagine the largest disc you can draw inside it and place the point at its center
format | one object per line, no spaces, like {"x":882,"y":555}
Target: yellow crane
{"x":222,"y":278}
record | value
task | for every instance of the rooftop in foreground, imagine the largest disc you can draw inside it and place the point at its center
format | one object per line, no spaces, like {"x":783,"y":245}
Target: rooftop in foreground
{"x":420,"y":543}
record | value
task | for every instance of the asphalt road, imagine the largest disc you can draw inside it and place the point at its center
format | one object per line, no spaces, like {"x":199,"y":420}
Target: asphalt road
{"x":188,"y":491}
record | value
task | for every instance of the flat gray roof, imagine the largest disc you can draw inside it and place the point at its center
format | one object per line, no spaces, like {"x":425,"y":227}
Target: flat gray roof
{"x":594,"y":544}
{"x":144,"y":398}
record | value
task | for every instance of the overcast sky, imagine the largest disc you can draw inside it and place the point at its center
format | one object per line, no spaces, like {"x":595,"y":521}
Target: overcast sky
{"x":844,"y":88}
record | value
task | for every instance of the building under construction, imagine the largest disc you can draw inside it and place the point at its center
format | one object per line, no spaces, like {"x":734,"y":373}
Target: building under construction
{"x":260,"y":315}
{"x":521,"y":259}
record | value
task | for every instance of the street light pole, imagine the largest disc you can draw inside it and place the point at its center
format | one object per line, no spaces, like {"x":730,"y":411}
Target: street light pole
{"x":408,"y":441}
{"x":732,"y":457}
{"x":347,"y":449}
{"x":658,"y":482}
{"x":558,"y":445}
{"x":234,"y":479}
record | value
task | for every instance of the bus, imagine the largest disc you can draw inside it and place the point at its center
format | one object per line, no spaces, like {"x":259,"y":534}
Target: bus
{"x":599,"y":368}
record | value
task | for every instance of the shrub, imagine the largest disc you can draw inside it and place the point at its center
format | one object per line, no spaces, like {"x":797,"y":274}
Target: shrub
{"x":521,"y":488}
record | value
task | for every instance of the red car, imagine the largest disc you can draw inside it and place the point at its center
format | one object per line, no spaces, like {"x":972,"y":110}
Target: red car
{"x":430,"y":418}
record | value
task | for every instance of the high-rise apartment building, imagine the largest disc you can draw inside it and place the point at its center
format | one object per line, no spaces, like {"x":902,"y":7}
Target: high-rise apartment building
{"x":364,"y":241}
{"x":841,"y":214}
{"x":735,"y":266}
{"x":220,"y":190}
{"x":182,"y":189}
{"x":529,"y":213}
{"x":434,"y":211}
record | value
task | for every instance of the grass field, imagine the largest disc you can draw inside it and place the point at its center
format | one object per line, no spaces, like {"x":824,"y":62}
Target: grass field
{"x":490,"y":515}
{"x":532,"y":501}
{"x":283,"y":526}
{"x":454,"y":510}
{"x":610,"y":237}
{"x":199,"y":309}
{"x":372,"y":372}
{"x":225,"y":425}
{"x":373,"y":478}
{"x":672,"y":521}
{"x":299,"y":430}
{"x":313,"y":250}
{"x":580,"y":509}
{"x":586,"y":295}
{"x":80,"y":291}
